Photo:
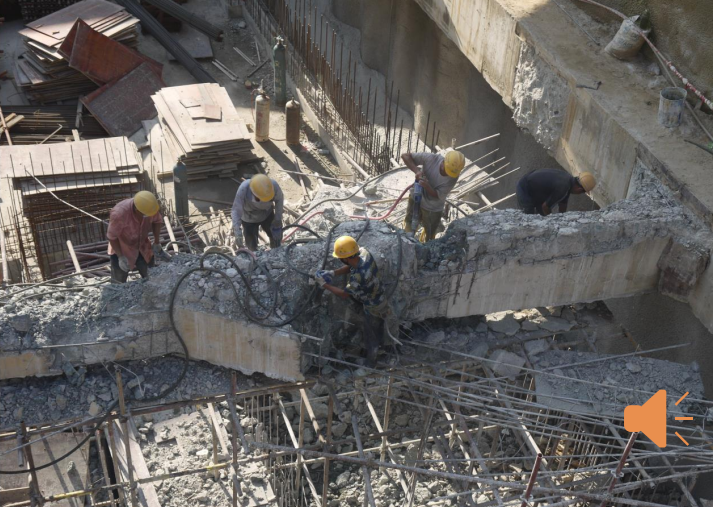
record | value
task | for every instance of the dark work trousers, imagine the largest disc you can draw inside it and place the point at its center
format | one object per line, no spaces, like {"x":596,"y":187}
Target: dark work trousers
{"x":430,"y":220}
{"x":250,"y":233}
{"x":120,"y":276}
{"x":373,"y":335}
{"x":525,"y":202}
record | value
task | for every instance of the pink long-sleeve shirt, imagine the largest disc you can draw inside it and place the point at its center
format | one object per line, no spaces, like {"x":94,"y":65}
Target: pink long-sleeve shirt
{"x":132,"y":233}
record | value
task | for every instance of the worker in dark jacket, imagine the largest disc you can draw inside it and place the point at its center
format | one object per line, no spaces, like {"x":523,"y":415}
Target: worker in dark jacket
{"x":541,"y":190}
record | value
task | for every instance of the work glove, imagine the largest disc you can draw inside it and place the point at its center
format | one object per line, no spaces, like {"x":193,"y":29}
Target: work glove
{"x":276,"y":233}
{"x":123,"y":263}
{"x":238,"y":230}
{"x":160,"y":253}
{"x":327,"y":276}
{"x":320,"y":281}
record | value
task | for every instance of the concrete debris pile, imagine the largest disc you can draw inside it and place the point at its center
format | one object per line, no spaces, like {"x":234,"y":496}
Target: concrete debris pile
{"x":182,"y":442}
{"x":604,"y":385}
{"x":87,"y":391}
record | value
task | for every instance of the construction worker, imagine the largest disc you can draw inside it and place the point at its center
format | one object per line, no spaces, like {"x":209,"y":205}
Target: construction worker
{"x":258,"y":203}
{"x":438,"y":176}
{"x":540,"y":190}
{"x":129,"y":247}
{"x":364,"y":287}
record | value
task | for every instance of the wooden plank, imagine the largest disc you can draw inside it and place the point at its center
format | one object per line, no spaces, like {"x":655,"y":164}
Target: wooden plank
{"x":58,"y":24}
{"x":222,"y":434}
{"x":170,"y":233}
{"x":75,"y":262}
{"x":146,"y":492}
{"x":3,"y":253}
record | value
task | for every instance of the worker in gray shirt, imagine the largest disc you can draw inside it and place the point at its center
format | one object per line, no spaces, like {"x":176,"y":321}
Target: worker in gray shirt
{"x":258,"y":203}
{"x":437,"y":176}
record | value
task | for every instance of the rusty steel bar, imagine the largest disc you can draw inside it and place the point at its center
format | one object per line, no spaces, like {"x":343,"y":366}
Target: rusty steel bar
{"x":617,"y":473}
{"x":531,"y":482}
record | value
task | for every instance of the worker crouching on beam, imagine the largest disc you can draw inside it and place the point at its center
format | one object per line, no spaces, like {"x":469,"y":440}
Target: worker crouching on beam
{"x":364,"y":287}
{"x":259,"y":202}
{"x":437,"y":178}
{"x":539,"y":191}
{"x":130,"y":222}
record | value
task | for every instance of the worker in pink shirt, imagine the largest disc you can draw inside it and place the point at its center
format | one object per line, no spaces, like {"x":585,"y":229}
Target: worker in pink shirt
{"x":129,"y":247}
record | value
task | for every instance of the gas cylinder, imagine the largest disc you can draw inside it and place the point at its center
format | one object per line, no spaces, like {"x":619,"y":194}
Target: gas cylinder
{"x":280,"y":59}
{"x":262,"y":116}
{"x":292,"y":112}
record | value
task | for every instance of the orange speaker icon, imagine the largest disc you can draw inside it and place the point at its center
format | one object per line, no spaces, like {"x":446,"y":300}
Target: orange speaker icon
{"x":649,"y":418}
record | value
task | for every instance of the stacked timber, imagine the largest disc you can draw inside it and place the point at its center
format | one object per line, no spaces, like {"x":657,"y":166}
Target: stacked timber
{"x":62,"y":166}
{"x":49,"y":124}
{"x":201,"y":129}
{"x":43,"y":73}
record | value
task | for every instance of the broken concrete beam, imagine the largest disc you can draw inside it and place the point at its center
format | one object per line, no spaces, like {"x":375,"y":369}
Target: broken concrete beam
{"x":681,"y":265}
{"x":485,"y":263}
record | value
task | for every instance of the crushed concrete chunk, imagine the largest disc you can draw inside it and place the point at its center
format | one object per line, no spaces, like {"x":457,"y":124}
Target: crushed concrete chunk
{"x":506,"y":363}
{"x":556,"y":325}
{"x":633,"y":367}
{"x":21,"y":323}
{"x":61,"y":402}
{"x":437,"y":337}
{"x":535,"y":347}
{"x":503,"y":322}
{"x":95,"y":409}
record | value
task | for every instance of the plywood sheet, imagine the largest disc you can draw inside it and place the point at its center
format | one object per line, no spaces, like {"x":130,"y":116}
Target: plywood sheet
{"x":100,"y":58}
{"x":120,"y":107}
{"x":58,"y":24}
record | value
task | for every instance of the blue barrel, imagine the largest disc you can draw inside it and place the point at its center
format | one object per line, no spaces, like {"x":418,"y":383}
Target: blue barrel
{"x":279,"y":58}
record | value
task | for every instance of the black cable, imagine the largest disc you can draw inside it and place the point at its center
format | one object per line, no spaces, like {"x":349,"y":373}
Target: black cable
{"x":248,"y":283}
{"x":300,"y":226}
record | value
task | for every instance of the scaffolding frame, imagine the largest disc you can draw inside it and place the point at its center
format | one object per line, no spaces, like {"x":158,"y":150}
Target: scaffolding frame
{"x":468,"y":416}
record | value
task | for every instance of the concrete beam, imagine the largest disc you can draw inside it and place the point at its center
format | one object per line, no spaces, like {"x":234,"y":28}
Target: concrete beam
{"x":489,"y":262}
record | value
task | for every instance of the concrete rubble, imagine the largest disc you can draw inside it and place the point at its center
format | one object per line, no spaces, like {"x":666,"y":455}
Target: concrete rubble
{"x":242,"y":382}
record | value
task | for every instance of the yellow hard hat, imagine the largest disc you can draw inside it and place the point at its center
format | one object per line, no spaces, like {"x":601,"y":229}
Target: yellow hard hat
{"x":262,"y":187}
{"x":146,"y":203}
{"x":587,"y":181}
{"x":344,"y":247}
{"x":454,"y":163}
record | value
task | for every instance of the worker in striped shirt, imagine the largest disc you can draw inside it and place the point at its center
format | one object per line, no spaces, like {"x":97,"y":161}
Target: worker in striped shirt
{"x":364,"y":287}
